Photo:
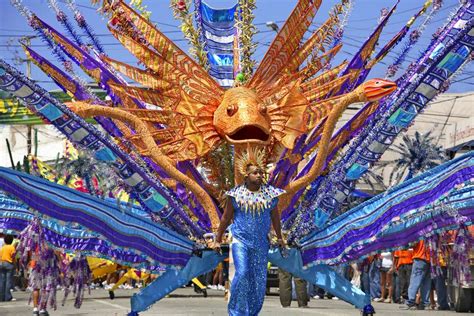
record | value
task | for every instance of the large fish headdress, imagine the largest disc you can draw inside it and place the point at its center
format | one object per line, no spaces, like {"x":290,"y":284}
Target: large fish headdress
{"x":188,"y":114}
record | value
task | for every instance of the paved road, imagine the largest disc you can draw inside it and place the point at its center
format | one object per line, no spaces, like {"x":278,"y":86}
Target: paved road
{"x":186,"y":302}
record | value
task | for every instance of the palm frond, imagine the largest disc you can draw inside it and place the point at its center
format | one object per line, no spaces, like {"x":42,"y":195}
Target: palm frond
{"x":417,"y":153}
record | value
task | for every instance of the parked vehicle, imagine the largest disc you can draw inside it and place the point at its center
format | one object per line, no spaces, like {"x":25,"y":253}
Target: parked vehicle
{"x":272,"y":278}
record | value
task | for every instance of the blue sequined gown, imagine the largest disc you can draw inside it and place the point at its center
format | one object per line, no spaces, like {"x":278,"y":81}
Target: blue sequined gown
{"x":250,"y":228}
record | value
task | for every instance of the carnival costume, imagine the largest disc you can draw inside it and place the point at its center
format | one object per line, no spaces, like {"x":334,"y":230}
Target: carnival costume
{"x":250,"y":246}
{"x":172,"y":136}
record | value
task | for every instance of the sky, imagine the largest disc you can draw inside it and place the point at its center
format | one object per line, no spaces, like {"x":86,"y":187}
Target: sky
{"x":362,"y":21}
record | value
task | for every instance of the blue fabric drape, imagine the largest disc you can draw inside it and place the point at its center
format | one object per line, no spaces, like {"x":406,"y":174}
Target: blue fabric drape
{"x":320,"y":275}
{"x":172,"y":279}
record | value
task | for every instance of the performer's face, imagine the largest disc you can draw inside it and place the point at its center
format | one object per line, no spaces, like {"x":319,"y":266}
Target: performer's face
{"x":254,"y":175}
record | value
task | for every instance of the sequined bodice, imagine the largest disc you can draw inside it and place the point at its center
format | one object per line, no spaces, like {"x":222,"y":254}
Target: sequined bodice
{"x":252,"y":214}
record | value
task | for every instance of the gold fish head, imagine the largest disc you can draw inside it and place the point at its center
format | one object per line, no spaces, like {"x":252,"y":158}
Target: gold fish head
{"x":242,"y":117}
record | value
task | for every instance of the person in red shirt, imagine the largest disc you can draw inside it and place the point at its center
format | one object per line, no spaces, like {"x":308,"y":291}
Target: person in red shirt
{"x":420,"y":277}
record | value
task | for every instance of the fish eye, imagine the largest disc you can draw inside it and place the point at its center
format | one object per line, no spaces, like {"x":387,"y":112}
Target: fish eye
{"x":231,"y":109}
{"x":263,"y":109}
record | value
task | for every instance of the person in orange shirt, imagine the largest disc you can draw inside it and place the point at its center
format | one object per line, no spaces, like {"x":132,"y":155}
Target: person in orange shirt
{"x":7,"y":266}
{"x":403,"y":263}
{"x":420,"y":277}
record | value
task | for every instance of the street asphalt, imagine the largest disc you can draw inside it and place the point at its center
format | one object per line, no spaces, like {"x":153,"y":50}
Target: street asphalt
{"x":185,"y":302}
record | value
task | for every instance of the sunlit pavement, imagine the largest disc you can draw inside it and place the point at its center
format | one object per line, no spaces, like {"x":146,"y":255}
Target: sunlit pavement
{"x":185,"y":302}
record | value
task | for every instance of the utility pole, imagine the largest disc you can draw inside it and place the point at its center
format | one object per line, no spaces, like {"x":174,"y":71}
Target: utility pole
{"x":27,"y":41}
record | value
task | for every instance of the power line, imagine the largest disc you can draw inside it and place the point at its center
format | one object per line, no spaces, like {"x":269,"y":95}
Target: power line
{"x":103,"y":44}
{"x":16,"y":30}
{"x":351,"y":27}
{"x":452,"y":99}
{"x":461,"y":80}
{"x":391,"y":54}
{"x":111,"y":35}
{"x":401,"y":12}
{"x":81,"y":6}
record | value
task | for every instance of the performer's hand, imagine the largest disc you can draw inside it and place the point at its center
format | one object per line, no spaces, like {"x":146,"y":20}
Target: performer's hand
{"x":282,"y":246}
{"x":217,"y":247}
{"x":281,"y":243}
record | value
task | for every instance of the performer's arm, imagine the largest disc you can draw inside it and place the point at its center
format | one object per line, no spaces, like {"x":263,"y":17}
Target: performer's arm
{"x":225,"y":220}
{"x":276,"y":222}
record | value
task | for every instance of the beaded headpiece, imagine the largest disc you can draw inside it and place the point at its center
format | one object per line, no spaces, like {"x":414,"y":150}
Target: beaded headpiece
{"x":250,"y":156}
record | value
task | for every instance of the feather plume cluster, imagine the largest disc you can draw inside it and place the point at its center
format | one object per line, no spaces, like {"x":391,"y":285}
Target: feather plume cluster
{"x":251,"y":156}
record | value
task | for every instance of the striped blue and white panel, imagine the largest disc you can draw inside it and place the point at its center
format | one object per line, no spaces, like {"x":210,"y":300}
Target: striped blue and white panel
{"x":217,"y":34}
{"x":119,"y":234}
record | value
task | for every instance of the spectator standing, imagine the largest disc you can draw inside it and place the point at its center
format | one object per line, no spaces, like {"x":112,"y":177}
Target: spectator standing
{"x":403,"y":262}
{"x":374,"y":277}
{"x":386,"y":273}
{"x":420,"y":278}
{"x":440,"y":281}
{"x":286,"y":288}
{"x":364,"y":267}
{"x":7,"y":268}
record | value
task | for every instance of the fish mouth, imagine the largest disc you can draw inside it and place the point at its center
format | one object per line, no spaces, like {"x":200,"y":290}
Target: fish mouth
{"x":389,"y":87}
{"x":377,"y":93}
{"x":249,"y":134}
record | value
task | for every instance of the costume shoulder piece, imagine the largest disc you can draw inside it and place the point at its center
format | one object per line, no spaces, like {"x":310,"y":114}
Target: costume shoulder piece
{"x":254,"y":202}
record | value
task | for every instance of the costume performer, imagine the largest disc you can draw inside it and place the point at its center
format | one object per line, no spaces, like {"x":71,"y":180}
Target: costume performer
{"x":251,"y":206}
{"x":292,"y":102}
